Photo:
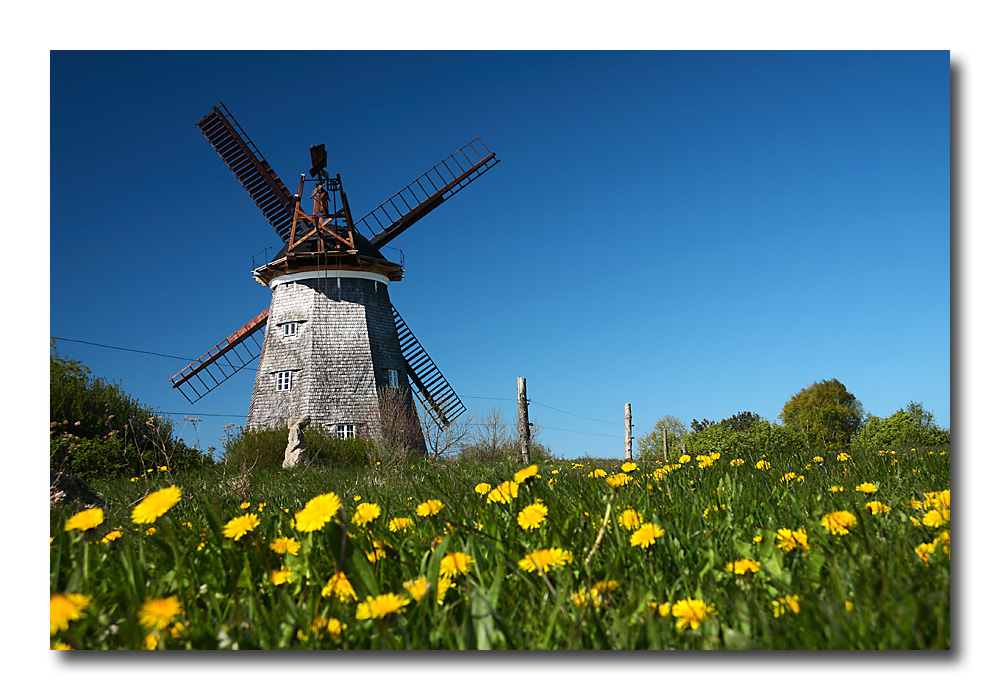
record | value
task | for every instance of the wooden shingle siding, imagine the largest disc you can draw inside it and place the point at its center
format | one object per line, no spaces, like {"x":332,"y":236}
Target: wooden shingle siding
{"x":345,"y":343}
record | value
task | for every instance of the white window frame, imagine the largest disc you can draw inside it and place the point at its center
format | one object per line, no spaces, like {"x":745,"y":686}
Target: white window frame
{"x":346,"y":430}
{"x":289,"y":329}
{"x":393,"y":378}
{"x":283,"y":380}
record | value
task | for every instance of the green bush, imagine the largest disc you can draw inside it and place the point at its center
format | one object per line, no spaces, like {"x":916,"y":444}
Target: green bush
{"x":912,"y":427}
{"x":96,"y":428}
{"x":247,"y":448}
{"x":762,"y":437}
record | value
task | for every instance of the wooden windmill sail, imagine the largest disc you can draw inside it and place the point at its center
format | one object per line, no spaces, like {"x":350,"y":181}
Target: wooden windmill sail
{"x":331,"y":345}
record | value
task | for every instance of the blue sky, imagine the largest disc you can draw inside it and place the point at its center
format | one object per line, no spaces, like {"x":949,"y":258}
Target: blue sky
{"x":694,"y":233}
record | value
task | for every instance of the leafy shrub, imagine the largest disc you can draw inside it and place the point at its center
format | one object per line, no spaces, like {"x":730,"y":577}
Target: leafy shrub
{"x":907,"y":428}
{"x":760,"y":438}
{"x":247,"y":448}
{"x":96,"y":428}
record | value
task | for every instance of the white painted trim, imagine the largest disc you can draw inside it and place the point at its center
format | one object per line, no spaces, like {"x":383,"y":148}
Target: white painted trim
{"x":321,"y":274}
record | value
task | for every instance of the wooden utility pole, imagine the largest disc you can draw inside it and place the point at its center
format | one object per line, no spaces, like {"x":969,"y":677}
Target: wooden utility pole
{"x":666,"y":454}
{"x":628,"y":432}
{"x":522,"y":419}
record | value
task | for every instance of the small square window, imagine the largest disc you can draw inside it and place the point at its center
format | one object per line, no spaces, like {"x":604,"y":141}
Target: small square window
{"x":290,"y":329}
{"x":345,"y":430}
{"x":393,"y":379}
{"x":283,"y":381}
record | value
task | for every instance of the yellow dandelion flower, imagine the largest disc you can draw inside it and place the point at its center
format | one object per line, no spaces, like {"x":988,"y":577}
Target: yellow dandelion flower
{"x":790,"y":476}
{"x":866,"y":488}
{"x":503,"y":493}
{"x":64,"y":608}
{"x":531,"y":517}
{"x":240,"y":525}
{"x":526,"y":473}
{"x":418,"y":586}
{"x":281,"y":576}
{"x":366,"y":513}
{"x":85,"y":520}
{"x":483,"y":488}
{"x":742,"y":566}
{"x":836,"y":489}
{"x":691,"y":612}
{"x":335,"y":627}
{"x":155,"y":505}
{"x":936,"y":518}
{"x":629,"y":467}
{"x":924,"y":550}
{"x":877,"y":507}
{"x":618,"y":480}
{"x":762,"y":464}
{"x":736,"y":462}
{"x":594,"y":596}
{"x":597,"y":474}
{"x":817,"y":459}
{"x":645,"y":535}
{"x":837,"y":523}
{"x":317,"y":512}
{"x":378,"y":553}
{"x":544,"y":559}
{"x":283,"y":545}
{"x":397,"y":524}
{"x":684,"y":459}
{"x":455,"y":564}
{"x":159,"y":612}
{"x":630,"y":519}
{"x":788,"y":539}
{"x":757,"y":539}
{"x":339,"y":586}
{"x":111,"y":536}
{"x":429,"y":508}
{"x":784,"y":604}
{"x":244,"y":505}
{"x":941,"y":500}
{"x":380,"y":606}
{"x":843,"y":457}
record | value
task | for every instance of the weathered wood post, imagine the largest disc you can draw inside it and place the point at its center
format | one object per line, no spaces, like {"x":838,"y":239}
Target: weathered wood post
{"x":666,"y":454}
{"x":628,"y":432}
{"x":522,"y":419}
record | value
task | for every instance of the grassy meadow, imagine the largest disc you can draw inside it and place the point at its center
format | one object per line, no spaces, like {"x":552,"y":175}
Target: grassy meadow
{"x":796,"y":551}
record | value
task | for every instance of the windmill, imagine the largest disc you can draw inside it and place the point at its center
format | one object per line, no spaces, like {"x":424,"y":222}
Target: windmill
{"x":331,"y":345}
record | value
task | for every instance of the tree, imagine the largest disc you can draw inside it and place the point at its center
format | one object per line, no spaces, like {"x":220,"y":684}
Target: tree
{"x":913,"y":426}
{"x":651,"y":444}
{"x":449,"y":440}
{"x":825,"y":414}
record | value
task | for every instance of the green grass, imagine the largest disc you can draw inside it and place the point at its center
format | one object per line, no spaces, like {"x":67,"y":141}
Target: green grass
{"x":709,"y":517}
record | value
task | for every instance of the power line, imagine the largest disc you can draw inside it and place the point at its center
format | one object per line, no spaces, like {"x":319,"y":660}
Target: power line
{"x":115,"y":347}
{"x":598,"y":420}
{"x":233,"y":415}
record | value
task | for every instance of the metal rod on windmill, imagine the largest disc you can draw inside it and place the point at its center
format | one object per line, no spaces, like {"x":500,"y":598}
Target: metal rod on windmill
{"x":628,"y":432}
{"x":524,"y":428}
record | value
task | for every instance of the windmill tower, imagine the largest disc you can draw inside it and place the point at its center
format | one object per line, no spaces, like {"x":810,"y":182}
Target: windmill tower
{"x":331,"y":345}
